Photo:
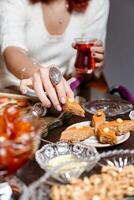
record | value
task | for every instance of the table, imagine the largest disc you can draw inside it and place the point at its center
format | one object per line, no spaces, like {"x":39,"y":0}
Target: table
{"x":31,"y":171}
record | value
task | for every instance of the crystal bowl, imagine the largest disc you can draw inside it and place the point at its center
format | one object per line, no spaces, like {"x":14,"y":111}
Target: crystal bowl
{"x":118,"y":158}
{"x":40,"y":189}
{"x":64,"y":161}
{"x":112,"y":107}
{"x":17,"y":150}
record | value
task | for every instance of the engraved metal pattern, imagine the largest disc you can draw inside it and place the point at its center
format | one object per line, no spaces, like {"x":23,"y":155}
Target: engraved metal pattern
{"x":55,"y":75}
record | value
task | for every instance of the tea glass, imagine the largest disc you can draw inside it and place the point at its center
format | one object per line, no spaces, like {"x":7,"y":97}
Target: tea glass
{"x":84,"y":63}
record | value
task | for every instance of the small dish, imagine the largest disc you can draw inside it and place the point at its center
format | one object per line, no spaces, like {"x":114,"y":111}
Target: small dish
{"x":112,"y":107}
{"x":93,"y":140}
{"x":70,"y":160}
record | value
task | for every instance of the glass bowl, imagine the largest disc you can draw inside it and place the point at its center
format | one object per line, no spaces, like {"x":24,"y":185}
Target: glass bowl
{"x":117,"y":158}
{"x":68,"y":160}
{"x":112,"y":107}
{"x":19,"y":139}
{"x":40,"y":190}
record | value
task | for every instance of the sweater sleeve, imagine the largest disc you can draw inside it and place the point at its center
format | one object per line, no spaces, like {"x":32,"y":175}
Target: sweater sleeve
{"x":95,"y":26}
{"x":12,"y":24}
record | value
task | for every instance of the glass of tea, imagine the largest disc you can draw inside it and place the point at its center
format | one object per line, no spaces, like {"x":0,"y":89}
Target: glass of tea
{"x":84,"y":63}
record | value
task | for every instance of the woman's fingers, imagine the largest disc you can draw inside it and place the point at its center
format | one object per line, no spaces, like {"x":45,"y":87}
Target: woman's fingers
{"x":49,"y":88}
{"x":97,"y":52}
{"x":98,"y":56}
{"x":42,"y":85}
{"x":26,"y":85}
{"x":61,"y":92}
{"x":97,"y":49}
{"x":69,"y":92}
{"x":38,"y":87}
{"x":98,"y":43}
{"x":99,"y":64}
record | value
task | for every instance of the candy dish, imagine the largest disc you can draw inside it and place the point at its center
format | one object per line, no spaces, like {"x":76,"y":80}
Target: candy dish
{"x":112,"y":107}
{"x":71,"y":160}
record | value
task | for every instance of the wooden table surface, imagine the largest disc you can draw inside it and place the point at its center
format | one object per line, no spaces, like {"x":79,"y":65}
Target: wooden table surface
{"x":31,"y":171}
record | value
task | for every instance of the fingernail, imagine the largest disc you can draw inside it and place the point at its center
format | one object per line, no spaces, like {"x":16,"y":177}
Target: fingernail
{"x":58,"y":107}
{"x":24,"y":91}
{"x":93,"y":54}
{"x":63,"y":100}
{"x":48,"y":105}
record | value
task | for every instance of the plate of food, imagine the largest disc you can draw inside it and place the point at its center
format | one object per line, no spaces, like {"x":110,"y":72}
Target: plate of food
{"x":93,"y":140}
{"x":99,"y":132}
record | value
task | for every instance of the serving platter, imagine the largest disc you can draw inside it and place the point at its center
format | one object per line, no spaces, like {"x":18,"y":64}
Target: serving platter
{"x":93,"y":140}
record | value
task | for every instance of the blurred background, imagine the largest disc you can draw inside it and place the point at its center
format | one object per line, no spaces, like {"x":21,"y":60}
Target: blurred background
{"x":119,"y":64}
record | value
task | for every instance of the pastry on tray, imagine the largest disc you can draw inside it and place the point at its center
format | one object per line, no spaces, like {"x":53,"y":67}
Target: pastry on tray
{"x":76,"y":134}
{"x":73,"y":107}
{"x":98,"y":119}
{"x":121,"y":126}
{"x":106,"y":135}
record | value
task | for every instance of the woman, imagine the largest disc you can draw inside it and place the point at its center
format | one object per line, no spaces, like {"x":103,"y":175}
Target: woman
{"x":36,"y":34}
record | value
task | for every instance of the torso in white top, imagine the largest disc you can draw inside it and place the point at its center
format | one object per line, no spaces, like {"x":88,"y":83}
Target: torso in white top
{"x":22,"y":25}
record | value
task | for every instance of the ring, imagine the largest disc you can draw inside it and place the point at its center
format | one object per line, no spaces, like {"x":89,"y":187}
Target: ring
{"x":55,"y":76}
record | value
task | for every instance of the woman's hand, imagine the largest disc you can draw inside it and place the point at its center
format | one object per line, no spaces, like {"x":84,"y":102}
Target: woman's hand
{"x":98,"y":53}
{"x":45,"y":90}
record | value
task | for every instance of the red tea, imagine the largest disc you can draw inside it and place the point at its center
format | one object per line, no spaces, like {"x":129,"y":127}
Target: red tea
{"x":84,"y":63}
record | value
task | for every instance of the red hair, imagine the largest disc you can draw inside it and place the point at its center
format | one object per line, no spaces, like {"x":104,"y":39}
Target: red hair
{"x":74,"y":5}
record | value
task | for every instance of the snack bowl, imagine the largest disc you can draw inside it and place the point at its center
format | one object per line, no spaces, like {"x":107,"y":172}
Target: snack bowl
{"x":118,"y":158}
{"x":41,"y":189}
{"x":68,"y":160}
{"x":111,"y":107}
